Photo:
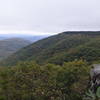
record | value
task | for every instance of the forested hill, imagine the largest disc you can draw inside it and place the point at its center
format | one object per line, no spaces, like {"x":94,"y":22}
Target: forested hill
{"x":11,"y":45}
{"x":66,"y":46}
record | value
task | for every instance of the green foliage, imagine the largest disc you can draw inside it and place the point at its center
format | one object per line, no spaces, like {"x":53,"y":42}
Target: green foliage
{"x":30,"y":81}
{"x":98,"y":92}
{"x":92,"y":96}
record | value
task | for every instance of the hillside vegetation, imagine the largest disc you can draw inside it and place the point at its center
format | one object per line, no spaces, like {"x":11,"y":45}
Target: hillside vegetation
{"x":30,"y":81}
{"x":66,"y":46}
{"x":10,"y":46}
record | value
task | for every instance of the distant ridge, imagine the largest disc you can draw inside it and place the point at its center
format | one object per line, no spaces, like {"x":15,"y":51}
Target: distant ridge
{"x":31,"y":38}
{"x":82,"y":32}
{"x":11,"y":45}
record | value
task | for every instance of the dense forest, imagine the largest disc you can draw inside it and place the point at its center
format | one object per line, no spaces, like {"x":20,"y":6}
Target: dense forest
{"x":54,"y":68}
{"x":30,"y":81}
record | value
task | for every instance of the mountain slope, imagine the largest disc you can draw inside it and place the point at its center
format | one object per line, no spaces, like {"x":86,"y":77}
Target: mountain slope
{"x":9,"y":46}
{"x":66,"y":46}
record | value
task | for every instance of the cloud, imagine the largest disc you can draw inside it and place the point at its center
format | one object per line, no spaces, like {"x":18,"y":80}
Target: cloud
{"x":48,"y":16}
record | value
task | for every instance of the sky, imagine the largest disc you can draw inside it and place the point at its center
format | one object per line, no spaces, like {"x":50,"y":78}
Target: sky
{"x":40,"y":17}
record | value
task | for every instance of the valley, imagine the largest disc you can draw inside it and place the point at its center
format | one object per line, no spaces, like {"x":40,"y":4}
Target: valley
{"x":53,"y":68}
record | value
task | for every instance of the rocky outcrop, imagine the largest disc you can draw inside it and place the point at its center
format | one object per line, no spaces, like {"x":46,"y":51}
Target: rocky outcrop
{"x":95,"y":77}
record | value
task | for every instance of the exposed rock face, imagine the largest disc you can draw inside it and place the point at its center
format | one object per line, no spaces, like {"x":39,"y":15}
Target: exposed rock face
{"x":95,"y":77}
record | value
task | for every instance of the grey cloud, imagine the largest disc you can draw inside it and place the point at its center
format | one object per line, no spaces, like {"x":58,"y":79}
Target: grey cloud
{"x":49,"y":15}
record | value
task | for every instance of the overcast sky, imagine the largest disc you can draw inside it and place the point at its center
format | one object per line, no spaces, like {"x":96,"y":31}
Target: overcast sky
{"x":48,"y":16}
